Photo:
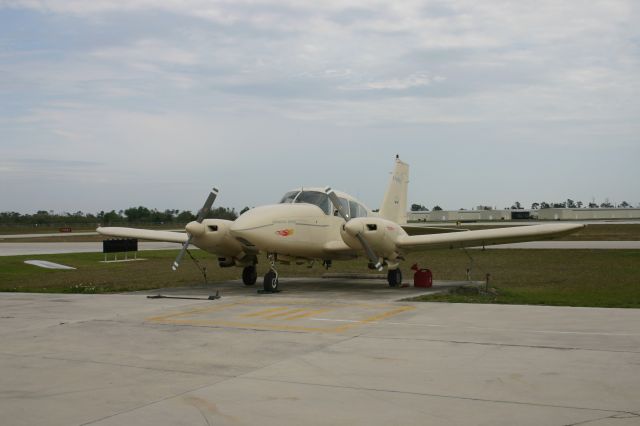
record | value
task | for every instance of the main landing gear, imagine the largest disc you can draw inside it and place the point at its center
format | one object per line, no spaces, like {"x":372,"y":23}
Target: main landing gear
{"x":249,"y":275}
{"x":271,"y":278}
{"x":394,"y":277}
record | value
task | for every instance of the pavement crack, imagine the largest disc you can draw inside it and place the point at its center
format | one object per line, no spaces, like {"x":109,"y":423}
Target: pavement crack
{"x":624,"y":415}
{"x":114,"y":364}
{"x":514,"y":345}
{"x":197,"y":388}
{"x":226,"y":379}
{"x":445,"y":396}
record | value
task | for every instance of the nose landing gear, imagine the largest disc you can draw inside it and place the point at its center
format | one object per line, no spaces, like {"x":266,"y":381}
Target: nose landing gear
{"x":271,"y":278}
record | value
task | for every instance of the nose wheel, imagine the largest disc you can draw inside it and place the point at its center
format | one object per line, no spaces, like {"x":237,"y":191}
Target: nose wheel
{"x":271,"y":278}
{"x":271,"y":282}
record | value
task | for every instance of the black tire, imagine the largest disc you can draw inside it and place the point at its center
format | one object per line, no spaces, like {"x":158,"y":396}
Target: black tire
{"x":249,"y":275}
{"x":394,"y":277}
{"x":270,"y":282}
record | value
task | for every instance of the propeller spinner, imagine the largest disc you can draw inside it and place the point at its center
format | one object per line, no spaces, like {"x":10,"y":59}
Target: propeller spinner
{"x":358,"y":233}
{"x":191,"y":229}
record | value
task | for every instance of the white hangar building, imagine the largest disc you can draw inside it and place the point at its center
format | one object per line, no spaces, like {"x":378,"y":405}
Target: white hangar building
{"x":587,"y":214}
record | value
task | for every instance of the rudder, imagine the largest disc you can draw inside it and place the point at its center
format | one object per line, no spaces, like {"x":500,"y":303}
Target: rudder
{"x":394,"y":204}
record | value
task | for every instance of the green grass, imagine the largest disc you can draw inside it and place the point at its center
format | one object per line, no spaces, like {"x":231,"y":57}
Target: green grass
{"x":608,"y":232}
{"x":605,"y":278}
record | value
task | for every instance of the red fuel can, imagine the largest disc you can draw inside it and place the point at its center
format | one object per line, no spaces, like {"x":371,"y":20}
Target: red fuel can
{"x":422,"y":277}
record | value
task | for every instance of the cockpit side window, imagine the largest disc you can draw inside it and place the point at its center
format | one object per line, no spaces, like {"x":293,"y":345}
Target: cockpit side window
{"x":289,"y":197}
{"x":319,"y":199}
{"x":345,"y":206}
{"x":354,"y":209}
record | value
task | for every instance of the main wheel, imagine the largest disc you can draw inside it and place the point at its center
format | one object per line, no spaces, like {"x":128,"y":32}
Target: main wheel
{"x":394,"y":277}
{"x":270,"y":282}
{"x":249,"y":275}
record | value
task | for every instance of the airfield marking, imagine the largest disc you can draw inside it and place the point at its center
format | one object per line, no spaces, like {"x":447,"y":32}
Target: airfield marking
{"x":287,"y":313}
{"x":195,"y":311}
{"x":307,"y":314}
{"x":272,"y":318}
{"x":264,"y":312}
{"x":523,"y":330}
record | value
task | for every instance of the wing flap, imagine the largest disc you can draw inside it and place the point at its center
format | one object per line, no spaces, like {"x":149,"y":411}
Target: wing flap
{"x":339,"y":249}
{"x":427,"y":230}
{"x":143,"y":234}
{"x":486,"y":237}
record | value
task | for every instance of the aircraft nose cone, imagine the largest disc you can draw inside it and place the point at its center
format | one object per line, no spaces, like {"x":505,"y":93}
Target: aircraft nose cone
{"x":354,"y":228}
{"x":195,"y":228}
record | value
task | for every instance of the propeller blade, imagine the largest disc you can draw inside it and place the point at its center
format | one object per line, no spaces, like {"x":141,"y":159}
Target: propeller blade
{"x":370,"y":253}
{"x":365,"y":244}
{"x":207,"y":205}
{"x":206,"y":208}
{"x":176,"y":262}
{"x":336,"y":203}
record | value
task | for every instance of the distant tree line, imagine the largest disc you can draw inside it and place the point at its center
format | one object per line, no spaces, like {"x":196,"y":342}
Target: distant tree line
{"x":569,"y":203}
{"x":132,"y":215}
{"x":421,"y":208}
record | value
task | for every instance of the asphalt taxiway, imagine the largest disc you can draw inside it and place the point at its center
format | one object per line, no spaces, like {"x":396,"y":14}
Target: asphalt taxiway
{"x":321,"y":352}
{"x":16,"y":249}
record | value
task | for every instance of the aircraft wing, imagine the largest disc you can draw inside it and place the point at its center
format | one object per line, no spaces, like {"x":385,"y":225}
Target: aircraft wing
{"x":486,"y":237}
{"x":144,"y":234}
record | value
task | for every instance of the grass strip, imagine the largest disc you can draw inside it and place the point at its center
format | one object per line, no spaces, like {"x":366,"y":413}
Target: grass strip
{"x":604,"y":278}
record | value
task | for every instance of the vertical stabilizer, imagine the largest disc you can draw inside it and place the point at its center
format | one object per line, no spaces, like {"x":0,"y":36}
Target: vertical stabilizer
{"x":394,"y":204}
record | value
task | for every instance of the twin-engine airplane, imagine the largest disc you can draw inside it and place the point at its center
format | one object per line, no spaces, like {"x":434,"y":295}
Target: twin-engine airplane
{"x":323,"y":224}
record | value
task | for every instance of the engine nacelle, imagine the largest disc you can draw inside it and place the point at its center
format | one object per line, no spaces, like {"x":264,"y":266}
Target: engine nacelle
{"x":381,"y":234}
{"x":213,"y":236}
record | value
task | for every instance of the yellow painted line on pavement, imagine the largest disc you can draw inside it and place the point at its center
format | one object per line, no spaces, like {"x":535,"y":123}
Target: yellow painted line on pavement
{"x":307,"y":314}
{"x":196,"y":311}
{"x":261,"y":326}
{"x":281,"y":312}
{"x":265,"y":312}
{"x":376,"y":318}
{"x":286,"y":313}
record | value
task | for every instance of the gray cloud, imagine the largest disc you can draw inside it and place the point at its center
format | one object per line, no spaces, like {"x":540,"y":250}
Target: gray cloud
{"x":183,"y":92}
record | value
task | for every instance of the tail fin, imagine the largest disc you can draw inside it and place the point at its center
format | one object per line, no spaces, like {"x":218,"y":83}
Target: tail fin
{"x":394,"y":204}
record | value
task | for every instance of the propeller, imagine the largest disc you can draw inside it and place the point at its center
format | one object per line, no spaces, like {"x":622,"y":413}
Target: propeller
{"x":358,"y":233}
{"x":201,"y":215}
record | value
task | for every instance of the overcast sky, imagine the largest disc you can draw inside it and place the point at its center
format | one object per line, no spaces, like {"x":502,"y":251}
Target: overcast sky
{"x":108,"y":104}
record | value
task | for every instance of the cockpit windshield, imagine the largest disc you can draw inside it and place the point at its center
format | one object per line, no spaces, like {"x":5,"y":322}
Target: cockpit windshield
{"x":289,"y":197}
{"x":316,"y":198}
